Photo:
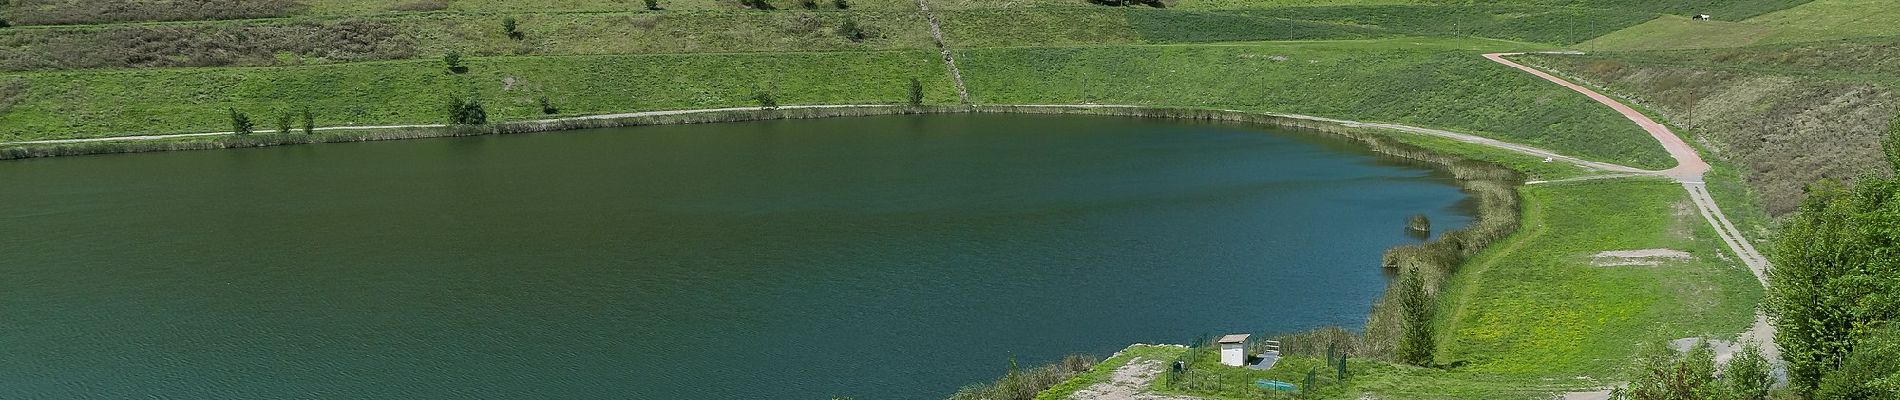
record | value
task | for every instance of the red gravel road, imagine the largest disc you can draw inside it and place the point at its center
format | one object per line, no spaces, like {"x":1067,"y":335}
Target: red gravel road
{"x":1689,"y":166}
{"x":1689,"y":169}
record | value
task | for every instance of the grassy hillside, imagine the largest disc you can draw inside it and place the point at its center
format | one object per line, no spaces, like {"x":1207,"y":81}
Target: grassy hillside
{"x":81,"y":104}
{"x":1814,"y":21}
{"x":1789,"y":115}
{"x":1437,"y":83}
{"x":1536,"y":306}
{"x":322,"y":41}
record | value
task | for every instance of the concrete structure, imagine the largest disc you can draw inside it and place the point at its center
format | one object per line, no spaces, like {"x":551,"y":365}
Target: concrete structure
{"x":1233,"y":350}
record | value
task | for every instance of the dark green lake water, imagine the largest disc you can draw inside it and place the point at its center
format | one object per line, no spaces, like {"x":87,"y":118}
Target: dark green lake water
{"x":879,"y":257}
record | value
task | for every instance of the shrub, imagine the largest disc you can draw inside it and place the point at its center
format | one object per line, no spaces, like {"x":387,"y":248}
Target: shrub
{"x":916,"y":92}
{"x":240,"y":123}
{"x":1415,"y":346}
{"x":755,"y":4}
{"x":808,"y":4}
{"x":766,"y":99}
{"x":1667,"y":375}
{"x":547,"y":107}
{"x":1021,"y":384}
{"x":1871,"y":372}
{"x":512,"y":27}
{"x":1832,"y":260}
{"x":453,"y":59}
{"x":309,"y":122}
{"x":653,"y":5}
{"x":841,"y":4}
{"x":467,"y":112}
{"x":1419,"y":222}
{"x":284,"y":122}
{"x":851,"y":31}
{"x":1749,"y":376}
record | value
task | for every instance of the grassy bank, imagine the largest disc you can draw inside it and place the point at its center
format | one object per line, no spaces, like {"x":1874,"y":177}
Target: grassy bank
{"x":93,"y":104}
{"x":1428,"y":82}
{"x":9,"y":152}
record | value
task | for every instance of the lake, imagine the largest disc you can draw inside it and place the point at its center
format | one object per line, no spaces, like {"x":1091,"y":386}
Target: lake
{"x":892,"y":257}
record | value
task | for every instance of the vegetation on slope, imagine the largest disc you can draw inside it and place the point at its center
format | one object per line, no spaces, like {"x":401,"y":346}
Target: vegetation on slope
{"x":1786,"y":129}
{"x":1437,"y":83}
{"x":323,"y":41}
{"x":1832,"y":283}
{"x":1813,"y":21}
{"x":1536,"y":306}
{"x":90,"y":104}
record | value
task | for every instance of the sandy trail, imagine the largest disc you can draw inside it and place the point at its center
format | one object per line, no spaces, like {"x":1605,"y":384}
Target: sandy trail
{"x":1130,"y":382}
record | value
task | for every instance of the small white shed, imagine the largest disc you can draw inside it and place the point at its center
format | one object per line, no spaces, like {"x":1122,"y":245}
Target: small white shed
{"x":1703,"y":17}
{"x":1233,"y":349}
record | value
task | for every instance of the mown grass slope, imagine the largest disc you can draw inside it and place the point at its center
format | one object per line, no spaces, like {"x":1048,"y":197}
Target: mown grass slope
{"x":88,"y":104}
{"x":342,"y":40}
{"x":1814,"y":21}
{"x":1788,"y":115}
{"x":1536,"y":305}
{"x":1438,"y":83}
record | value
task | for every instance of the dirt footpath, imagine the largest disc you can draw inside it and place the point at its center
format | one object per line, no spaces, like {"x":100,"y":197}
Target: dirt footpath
{"x":1130,"y":382}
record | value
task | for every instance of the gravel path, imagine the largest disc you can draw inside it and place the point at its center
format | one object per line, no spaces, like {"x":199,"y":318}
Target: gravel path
{"x":1688,"y":171}
{"x":1130,"y":382}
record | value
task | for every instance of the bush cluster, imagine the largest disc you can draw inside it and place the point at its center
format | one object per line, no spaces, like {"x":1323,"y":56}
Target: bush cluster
{"x":1021,"y":384}
{"x":1665,"y":374}
{"x":1831,"y":293}
{"x":469,"y":111}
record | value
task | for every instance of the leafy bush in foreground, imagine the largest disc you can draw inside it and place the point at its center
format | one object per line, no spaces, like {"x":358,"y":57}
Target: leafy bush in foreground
{"x":1831,"y":288}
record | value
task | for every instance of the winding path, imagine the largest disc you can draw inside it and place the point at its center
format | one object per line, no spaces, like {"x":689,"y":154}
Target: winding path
{"x":1688,"y":171}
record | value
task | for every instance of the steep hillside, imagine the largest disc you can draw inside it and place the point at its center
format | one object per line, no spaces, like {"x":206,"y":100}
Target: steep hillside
{"x":1815,"y":21}
{"x":1789,"y":114}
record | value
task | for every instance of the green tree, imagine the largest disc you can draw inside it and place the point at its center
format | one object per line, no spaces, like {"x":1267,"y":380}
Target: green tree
{"x":916,"y":92}
{"x":467,"y":112}
{"x":284,"y":122}
{"x":1871,"y":372}
{"x":653,"y":5}
{"x":766,"y":99}
{"x":1835,"y":266}
{"x":841,"y":4}
{"x":1748,"y":375}
{"x":512,"y":27}
{"x":453,"y":59}
{"x":1415,"y":345}
{"x":309,"y":122}
{"x":808,"y":4}
{"x":240,"y":123}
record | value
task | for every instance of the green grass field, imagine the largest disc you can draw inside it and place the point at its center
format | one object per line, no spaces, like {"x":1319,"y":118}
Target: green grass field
{"x":1535,"y":306}
{"x":84,"y":104}
{"x":1428,"y":82}
{"x":1814,"y":21}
